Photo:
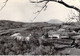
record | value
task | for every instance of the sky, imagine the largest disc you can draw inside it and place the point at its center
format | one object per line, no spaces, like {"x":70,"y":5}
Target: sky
{"x":24,"y":11}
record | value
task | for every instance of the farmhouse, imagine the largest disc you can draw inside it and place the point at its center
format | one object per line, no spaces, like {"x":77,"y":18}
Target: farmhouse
{"x":58,"y":34}
{"x":18,"y":36}
{"x":53,"y":34}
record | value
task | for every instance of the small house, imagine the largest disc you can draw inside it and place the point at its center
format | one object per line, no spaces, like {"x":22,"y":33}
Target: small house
{"x":53,"y":34}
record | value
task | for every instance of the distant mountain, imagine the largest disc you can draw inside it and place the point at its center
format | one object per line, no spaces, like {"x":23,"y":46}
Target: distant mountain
{"x":55,"y":21}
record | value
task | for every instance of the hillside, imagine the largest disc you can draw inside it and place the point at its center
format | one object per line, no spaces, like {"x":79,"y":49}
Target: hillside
{"x":5,"y":24}
{"x":69,"y":33}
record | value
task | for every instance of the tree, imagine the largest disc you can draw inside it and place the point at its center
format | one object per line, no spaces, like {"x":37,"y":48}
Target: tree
{"x":5,"y":2}
{"x":45,"y":6}
{"x":57,"y":1}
